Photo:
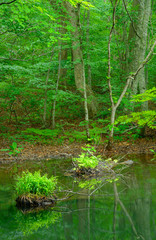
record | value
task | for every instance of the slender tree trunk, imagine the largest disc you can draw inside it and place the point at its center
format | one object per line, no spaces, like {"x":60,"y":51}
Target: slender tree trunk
{"x":45,"y":100}
{"x":88,"y":53}
{"x":111,"y":134}
{"x":63,"y":71}
{"x":113,"y":108}
{"x":56,"y":90}
{"x":64,"y":48}
{"x":45,"y":95}
{"x":86,"y":108}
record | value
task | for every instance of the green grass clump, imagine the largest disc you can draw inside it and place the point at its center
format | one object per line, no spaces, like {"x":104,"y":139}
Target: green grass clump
{"x":29,"y":183}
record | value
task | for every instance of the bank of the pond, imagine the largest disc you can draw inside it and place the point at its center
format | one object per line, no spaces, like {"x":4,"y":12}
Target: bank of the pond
{"x":41,"y":151}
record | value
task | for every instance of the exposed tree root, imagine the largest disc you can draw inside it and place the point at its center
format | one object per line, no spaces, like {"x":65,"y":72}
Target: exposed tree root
{"x":35,"y":201}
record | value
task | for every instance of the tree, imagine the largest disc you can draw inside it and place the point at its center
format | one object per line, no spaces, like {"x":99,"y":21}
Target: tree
{"x":79,"y":68}
{"x":130,"y":79}
{"x":78,"y":59}
{"x":137,"y":45}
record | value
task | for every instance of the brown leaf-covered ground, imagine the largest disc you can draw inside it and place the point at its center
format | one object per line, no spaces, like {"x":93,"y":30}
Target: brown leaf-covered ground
{"x":41,"y":151}
{"x":67,"y":150}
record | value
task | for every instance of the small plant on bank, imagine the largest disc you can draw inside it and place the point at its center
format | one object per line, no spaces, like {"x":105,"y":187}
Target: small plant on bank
{"x":13,"y":150}
{"x":154,"y":157}
{"x":87,"y":160}
{"x":35,"y":190}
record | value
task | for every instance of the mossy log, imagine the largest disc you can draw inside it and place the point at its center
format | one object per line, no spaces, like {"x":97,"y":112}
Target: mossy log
{"x":86,"y":171}
{"x":103,"y":167}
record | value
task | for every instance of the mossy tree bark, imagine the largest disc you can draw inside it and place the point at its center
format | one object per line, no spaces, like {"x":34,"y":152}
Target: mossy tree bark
{"x":137,"y":42}
{"x":79,"y":68}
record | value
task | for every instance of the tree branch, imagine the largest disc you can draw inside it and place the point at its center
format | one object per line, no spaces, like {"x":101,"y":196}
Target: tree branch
{"x":7,"y":2}
{"x":130,"y":19}
{"x":133,"y":75}
{"x":146,"y":59}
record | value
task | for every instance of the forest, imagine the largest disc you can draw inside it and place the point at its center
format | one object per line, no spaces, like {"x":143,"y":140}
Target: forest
{"x":78,"y":119}
{"x":77,"y":71}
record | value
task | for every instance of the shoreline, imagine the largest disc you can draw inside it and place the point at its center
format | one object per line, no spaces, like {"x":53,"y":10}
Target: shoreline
{"x":66,"y":151}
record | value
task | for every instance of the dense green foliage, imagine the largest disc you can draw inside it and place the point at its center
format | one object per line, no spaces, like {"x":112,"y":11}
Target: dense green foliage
{"x":29,"y":183}
{"x":144,"y":117}
{"x":87,"y":159}
{"x":33,"y":33}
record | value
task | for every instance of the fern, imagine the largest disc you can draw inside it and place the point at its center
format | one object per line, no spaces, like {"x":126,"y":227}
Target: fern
{"x":145,"y":117}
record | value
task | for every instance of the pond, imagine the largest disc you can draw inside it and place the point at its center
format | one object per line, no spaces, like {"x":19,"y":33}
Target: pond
{"x":121,"y":210}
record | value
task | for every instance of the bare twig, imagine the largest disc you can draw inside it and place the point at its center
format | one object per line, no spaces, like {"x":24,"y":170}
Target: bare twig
{"x":97,"y":189}
{"x":15,"y":59}
{"x":127,"y":130}
{"x":7,"y":2}
{"x":24,"y":60}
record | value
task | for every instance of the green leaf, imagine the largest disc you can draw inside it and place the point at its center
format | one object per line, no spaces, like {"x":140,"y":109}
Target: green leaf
{"x":5,"y":150}
{"x":14,"y":145}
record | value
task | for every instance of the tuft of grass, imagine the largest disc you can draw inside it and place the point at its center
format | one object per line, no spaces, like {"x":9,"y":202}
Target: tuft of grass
{"x":30,"y":183}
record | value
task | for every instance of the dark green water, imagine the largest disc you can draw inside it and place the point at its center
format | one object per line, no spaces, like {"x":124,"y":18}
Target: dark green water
{"x":97,"y":217}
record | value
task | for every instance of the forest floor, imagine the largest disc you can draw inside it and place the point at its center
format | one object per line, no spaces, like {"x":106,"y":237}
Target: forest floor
{"x":37,"y":149}
{"x":66,"y":150}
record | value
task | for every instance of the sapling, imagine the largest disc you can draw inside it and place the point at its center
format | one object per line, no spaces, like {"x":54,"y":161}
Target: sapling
{"x":154,"y":158}
{"x":87,"y":159}
{"x":13,"y":150}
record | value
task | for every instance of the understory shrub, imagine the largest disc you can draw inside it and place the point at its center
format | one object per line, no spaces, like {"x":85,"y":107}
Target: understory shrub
{"x":87,"y":159}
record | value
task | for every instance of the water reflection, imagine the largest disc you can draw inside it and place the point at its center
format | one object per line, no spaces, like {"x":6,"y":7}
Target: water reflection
{"x":31,"y":222}
{"x":114,"y":211}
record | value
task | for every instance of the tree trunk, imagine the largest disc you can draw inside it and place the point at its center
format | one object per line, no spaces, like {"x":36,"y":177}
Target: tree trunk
{"x":79,"y":69}
{"x":130,"y":80}
{"x":111,"y":133}
{"x":56,"y":90}
{"x":64,"y":49}
{"x":138,"y":41}
{"x":45,"y":95}
{"x":88,"y":53}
